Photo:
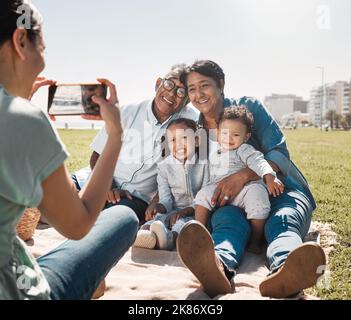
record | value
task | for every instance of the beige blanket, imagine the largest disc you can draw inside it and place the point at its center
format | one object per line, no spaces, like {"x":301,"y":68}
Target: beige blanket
{"x":153,"y":274}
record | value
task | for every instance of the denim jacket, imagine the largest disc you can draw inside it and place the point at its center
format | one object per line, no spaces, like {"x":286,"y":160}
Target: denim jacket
{"x":179,"y":183}
{"x":269,"y":139}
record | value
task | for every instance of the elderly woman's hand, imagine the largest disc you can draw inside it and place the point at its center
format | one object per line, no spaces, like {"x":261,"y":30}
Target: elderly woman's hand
{"x":230,"y":187}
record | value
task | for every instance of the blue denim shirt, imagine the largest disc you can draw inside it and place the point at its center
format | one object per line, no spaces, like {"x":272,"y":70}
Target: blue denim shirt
{"x":269,"y":139}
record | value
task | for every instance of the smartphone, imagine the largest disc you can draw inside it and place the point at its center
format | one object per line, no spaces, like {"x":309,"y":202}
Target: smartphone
{"x":75,"y":99}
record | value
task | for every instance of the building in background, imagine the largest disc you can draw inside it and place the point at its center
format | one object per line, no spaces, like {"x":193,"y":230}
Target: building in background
{"x":280,"y":105}
{"x":295,"y":120}
{"x":336,"y":96}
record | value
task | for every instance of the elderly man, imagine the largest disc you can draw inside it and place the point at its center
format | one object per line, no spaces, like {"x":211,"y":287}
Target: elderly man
{"x":144,"y":125}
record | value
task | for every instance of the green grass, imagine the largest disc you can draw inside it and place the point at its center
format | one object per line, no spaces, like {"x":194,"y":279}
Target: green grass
{"x":77,"y":143}
{"x":325,"y":160}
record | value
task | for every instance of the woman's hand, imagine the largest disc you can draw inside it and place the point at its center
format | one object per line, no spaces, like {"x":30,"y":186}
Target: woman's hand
{"x":40,"y":82}
{"x":109,"y":111}
{"x":230,"y":187}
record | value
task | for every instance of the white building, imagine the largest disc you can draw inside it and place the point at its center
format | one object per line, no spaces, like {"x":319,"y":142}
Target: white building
{"x":343,"y":97}
{"x":295,"y":119}
{"x":280,"y":105}
{"x":336,"y":96}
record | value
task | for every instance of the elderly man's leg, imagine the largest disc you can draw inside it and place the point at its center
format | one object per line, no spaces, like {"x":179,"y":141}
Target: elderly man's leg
{"x":294,"y":265}
{"x":76,"y":268}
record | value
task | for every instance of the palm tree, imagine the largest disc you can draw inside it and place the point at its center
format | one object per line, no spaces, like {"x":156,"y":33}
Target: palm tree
{"x":348,"y":119}
{"x":338,"y":118}
{"x":344,"y":124}
{"x":331,"y":117}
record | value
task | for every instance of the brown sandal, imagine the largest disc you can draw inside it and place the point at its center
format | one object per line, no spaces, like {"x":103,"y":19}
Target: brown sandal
{"x":302,"y":269}
{"x":196,"y":250}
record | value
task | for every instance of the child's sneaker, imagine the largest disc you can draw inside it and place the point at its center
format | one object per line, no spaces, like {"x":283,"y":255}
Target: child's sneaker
{"x":145,"y":239}
{"x":164,"y":236}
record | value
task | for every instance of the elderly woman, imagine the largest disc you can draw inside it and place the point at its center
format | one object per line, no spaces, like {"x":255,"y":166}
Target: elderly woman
{"x":33,"y":174}
{"x":294,"y":266}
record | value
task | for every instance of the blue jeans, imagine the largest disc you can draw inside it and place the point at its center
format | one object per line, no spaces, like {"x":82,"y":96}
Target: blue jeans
{"x":75,"y":269}
{"x":287,"y":225}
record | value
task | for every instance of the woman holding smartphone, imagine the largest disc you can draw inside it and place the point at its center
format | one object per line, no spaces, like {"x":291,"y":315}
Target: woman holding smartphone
{"x":33,"y":174}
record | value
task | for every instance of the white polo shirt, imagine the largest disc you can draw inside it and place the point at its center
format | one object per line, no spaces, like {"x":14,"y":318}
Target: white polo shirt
{"x":136,"y":168}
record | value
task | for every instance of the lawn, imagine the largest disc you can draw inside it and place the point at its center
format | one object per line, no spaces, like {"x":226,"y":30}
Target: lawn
{"x":325,"y":160}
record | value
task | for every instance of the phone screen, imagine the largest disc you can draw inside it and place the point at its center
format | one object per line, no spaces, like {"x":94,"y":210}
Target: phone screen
{"x":74,"y":99}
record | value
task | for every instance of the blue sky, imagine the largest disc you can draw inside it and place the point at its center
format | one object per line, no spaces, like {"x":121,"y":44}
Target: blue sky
{"x":264,"y":46}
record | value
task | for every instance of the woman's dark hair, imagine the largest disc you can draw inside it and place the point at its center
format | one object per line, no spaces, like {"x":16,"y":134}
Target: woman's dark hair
{"x":241,"y":114}
{"x":207,"y":68}
{"x":10,"y":15}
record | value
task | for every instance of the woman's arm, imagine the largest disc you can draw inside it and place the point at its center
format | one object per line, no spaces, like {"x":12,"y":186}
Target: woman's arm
{"x":74,"y":214}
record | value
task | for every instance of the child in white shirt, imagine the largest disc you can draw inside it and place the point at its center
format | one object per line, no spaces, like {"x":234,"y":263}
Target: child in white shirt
{"x":180,"y":176}
{"x":234,"y":155}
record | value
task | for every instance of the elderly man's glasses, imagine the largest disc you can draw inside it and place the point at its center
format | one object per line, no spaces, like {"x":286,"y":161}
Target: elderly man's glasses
{"x":169,"y":85}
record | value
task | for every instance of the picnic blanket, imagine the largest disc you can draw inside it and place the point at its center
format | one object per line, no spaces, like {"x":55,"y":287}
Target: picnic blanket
{"x":156,"y":275}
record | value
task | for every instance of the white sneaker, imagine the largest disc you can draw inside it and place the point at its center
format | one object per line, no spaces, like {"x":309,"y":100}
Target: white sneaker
{"x":145,"y":239}
{"x":164,"y":236}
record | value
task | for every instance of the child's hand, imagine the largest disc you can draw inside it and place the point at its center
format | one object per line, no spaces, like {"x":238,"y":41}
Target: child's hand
{"x":150,"y":212}
{"x":153,"y":209}
{"x":174,"y":217}
{"x":274,"y":185}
